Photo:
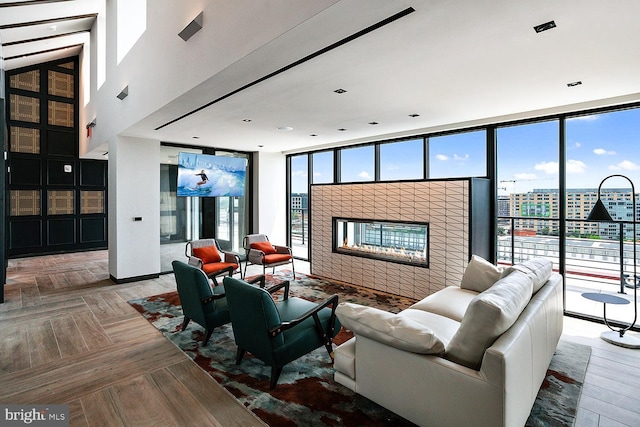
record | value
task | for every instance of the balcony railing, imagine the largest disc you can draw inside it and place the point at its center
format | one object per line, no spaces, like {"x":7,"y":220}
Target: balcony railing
{"x":592,"y":263}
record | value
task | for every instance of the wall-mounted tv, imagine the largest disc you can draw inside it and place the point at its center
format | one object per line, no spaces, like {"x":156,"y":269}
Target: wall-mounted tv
{"x":205,"y":175}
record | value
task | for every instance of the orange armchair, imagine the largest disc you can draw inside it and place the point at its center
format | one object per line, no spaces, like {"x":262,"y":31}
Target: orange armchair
{"x":206,"y":255}
{"x":261,"y":252}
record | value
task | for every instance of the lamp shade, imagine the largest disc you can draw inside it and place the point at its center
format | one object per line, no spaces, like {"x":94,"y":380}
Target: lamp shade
{"x":599,"y":213}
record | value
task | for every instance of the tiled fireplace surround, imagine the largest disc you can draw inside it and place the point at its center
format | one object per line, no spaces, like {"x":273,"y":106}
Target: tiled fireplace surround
{"x":458,"y":227}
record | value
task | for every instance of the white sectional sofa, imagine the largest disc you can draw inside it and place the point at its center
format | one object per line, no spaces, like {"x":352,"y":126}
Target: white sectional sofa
{"x":468,"y":355}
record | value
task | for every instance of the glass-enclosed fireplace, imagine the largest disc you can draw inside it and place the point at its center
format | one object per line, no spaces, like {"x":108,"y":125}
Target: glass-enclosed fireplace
{"x":394,"y":241}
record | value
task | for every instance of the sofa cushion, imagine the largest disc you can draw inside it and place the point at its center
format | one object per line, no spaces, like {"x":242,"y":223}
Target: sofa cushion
{"x":443,"y":327}
{"x":389,"y":328}
{"x":451,"y":302}
{"x":539,"y":269}
{"x":489,"y":315}
{"x":480,"y":275}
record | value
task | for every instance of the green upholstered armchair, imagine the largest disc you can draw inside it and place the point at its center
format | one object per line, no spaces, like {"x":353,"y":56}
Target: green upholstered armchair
{"x":278,"y":332}
{"x":200,"y":303}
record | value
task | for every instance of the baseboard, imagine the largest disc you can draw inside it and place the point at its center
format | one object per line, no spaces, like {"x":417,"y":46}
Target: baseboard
{"x":134,"y":279}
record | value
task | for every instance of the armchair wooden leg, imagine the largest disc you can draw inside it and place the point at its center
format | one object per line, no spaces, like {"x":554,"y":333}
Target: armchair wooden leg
{"x":206,"y":338}
{"x":240,"y":355}
{"x":185,"y":322}
{"x":275,"y":374}
{"x":329,"y":348}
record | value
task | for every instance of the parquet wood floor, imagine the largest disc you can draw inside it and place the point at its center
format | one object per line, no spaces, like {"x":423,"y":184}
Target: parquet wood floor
{"x":68,"y":335}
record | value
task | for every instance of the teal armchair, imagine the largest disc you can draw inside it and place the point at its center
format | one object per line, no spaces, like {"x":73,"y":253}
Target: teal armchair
{"x":200,"y":303}
{"x":278,"y":332}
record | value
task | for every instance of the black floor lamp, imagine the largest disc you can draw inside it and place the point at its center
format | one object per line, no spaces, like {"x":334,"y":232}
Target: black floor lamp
{"x":600,"y":213}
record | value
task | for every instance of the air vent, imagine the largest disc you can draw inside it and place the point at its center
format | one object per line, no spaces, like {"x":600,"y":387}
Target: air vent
{"x":544,"y":27}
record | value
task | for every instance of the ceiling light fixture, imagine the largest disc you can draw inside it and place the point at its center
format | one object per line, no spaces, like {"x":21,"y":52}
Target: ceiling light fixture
{"x":544,"y":27}
{"x":339,"y":91}
{"x":314,"y":134}
{"x":414,"y":115}
{"x":195,"y":137}
{"x":342,"y":129}
{"x":53,"y":27}
{"x":260,"y":146}
{"x":373,"y":123}
{"x":576,"y":83}
{"x":246,"y":120}
{"x":285,"y":128}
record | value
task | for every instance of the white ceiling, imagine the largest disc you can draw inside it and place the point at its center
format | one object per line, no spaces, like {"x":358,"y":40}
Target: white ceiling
{"x":455,"y":63}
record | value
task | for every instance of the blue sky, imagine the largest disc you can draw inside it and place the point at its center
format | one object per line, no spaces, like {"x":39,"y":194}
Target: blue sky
{"x":597,"y":146}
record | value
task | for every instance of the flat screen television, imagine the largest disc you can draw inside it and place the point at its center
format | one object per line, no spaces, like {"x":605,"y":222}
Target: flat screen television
{"x":205,"y":175}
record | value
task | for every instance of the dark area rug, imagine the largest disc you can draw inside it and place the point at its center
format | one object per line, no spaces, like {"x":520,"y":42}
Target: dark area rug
{"x":306,"y":394}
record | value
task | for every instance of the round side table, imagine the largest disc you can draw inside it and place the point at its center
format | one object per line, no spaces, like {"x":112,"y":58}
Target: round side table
{"x":614,"y":336}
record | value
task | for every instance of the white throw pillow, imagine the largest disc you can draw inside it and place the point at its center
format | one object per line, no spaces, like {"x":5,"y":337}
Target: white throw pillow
{"x":480,"y":275}
{"x":388,"y":328}
{"x":488,"y":316}
{"x":539,"y":269}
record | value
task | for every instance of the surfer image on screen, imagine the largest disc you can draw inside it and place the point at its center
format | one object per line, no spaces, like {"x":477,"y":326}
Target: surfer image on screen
{"x":203,"y":178}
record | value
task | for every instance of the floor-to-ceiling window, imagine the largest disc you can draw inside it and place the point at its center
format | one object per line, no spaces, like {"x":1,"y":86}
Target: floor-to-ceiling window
{"x":528,"y":183}
{"x":456,"y":155}
{"x":185,"y":218}
{"x":299,"y":206}
{"x":546,"y":176}
{"x":402,"y":160}
{"x":599,"y":146}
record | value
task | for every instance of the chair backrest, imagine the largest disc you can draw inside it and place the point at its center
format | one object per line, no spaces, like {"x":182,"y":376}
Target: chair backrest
{"x":253,"y":313}
{"x":193,"y":286}
{"x":200,"y":243}
{"x":253,"y":238}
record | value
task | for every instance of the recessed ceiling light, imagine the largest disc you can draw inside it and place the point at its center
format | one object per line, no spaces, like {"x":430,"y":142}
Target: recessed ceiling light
{"x":576,"y":83}
{"x":339,"y":91}
{"x":342,"y":129}
{"x":246,"y":120}
{"x":544,"y":27}
{"x":314,"y":134}
{"x":373,"y":123}
{"x":285,"y":128}
{"x":195,"y":137}
{"x":53,"y":27}
{"x":260,"y":146}
{"x":414,"y":115}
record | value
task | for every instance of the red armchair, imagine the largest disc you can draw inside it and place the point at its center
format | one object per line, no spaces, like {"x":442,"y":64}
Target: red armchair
{"x":206,"y":255}
{"x":261,"y":252}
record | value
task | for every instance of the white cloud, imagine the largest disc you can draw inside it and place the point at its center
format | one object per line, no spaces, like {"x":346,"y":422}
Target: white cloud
{"x":525,"y":176}
{"x":393,"y":167}
{"x":299,"y":173}
{"x":586,"y":118}
{"x":364,"y":174}
{"x":547,"y":167}
{"x":578,"y":145}
{"x":602,"y":151}
{"x":441,"y":157}
{"x":460,"y":158}
{"x":624,"y":165}
{"x":575,"y":166}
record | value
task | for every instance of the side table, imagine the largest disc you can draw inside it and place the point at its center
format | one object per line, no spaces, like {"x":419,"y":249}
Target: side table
{"x":614,"y":336}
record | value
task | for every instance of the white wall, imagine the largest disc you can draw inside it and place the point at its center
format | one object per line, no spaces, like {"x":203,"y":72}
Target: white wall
{"x":270,"y":198}
{"x":134,"y":191}
{"x":161,"y":67}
